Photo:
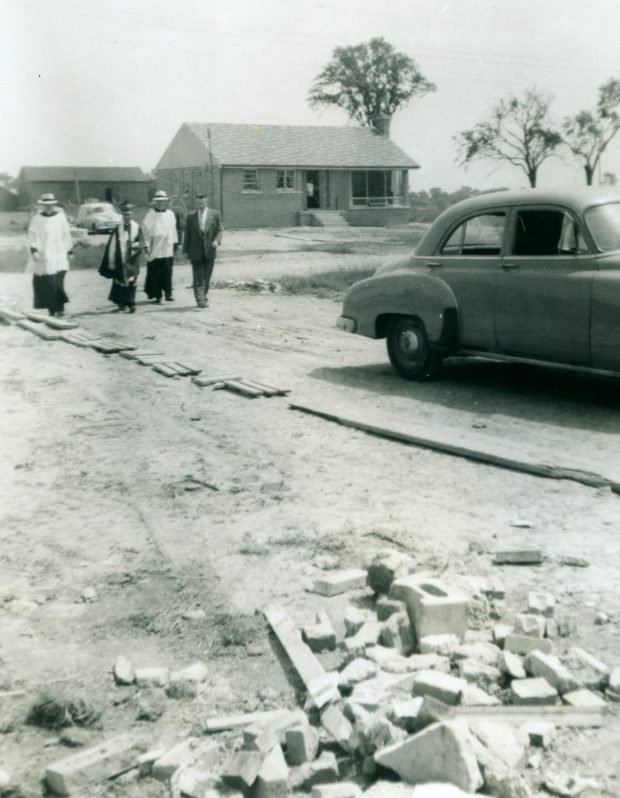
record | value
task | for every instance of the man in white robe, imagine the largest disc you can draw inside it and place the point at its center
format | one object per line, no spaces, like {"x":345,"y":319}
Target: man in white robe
{"x":159,"y":229}
{"x":51,"y":245}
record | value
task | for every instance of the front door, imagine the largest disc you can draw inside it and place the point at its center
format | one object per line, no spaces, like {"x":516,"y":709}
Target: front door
{"x":313,"y":189}
{"x":544,"y":288}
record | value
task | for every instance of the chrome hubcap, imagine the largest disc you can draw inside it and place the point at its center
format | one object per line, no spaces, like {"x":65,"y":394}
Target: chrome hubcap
{"x":410,"y":343}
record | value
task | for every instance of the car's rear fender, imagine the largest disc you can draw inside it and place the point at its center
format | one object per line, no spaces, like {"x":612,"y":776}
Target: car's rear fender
{"x":373,"y":302}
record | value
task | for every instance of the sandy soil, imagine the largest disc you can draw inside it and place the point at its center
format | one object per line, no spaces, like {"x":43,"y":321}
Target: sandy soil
{"x":102,"y":461}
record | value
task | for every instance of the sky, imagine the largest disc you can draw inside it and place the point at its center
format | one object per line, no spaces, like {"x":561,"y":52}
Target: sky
{"x":104,"y":82}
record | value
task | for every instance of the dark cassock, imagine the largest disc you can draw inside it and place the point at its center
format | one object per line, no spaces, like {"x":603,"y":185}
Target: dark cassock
{"x":121,"y":262}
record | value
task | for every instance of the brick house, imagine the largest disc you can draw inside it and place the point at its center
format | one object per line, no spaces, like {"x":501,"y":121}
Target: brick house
{"x":281,"y":175}
{"x":72,"y":185}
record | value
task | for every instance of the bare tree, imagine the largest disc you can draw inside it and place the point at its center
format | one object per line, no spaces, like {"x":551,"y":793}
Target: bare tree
{"x":518,"y":132}
{"x":370,"y":81}
{"x":588,"y":133}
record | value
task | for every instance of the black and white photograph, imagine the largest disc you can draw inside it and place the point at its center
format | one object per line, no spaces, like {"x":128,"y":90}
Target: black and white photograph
{"x":309,"y":399}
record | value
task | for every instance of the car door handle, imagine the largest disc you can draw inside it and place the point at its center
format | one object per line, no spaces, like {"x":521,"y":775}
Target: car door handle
{"x":433,"y":264}
{"x":508,"y":266}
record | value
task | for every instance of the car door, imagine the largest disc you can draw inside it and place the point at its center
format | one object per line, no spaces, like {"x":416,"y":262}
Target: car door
{"x":544,"y":289}
{"x":468,"y":260}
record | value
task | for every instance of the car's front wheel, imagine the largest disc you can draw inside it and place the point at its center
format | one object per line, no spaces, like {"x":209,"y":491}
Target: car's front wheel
{"x":409,"y":349}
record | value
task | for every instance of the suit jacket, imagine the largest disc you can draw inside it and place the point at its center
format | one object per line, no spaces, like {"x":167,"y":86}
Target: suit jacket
{"x":199,"y":245}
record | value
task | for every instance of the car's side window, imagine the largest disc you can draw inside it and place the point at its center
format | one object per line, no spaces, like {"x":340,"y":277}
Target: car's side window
{"x":479,"y":236}
{"x":544,"y":233}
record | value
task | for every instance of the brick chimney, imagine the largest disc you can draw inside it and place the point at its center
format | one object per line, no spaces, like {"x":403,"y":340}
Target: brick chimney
{"x":382,"y":125}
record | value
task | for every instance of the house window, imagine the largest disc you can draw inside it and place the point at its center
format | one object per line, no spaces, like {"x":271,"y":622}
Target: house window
{"x":378,"y":188}
{"x":250,"y":180}
{"x":285,"y":179}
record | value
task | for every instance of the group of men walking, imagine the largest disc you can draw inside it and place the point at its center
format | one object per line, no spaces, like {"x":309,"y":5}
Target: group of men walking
{"x":156,"y":240}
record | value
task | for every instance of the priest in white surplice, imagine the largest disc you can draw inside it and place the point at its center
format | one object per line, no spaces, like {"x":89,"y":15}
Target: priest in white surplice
{"x":51,"y":245}
{"x":161,"y":239}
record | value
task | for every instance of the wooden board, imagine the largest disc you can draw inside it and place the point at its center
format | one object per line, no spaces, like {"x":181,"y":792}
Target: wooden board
{"x":558,"y":715}
{"x":320,"y":685}
{"x":11,"y":316}
{"x":204,"y":381}
{"x":51,"y":321}
{"x":269,"y":716}
{"x":163,"y":368}
{"x":39,"y":329}
{"x":245,"y":390}
{"x":267,"y":390}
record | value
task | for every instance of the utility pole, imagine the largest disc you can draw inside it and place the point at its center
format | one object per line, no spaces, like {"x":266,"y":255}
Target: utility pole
{"x":211,"y":178}
{"x":77,"y":188}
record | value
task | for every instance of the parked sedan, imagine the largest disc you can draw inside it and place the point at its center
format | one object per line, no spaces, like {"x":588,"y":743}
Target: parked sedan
{"x":98,"y":217}
{"x":519,"y":275}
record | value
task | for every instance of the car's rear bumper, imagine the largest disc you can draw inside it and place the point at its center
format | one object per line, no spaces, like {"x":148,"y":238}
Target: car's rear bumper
{"x":346,"y":324}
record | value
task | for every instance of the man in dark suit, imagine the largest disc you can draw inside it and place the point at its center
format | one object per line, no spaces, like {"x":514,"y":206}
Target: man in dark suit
{"x":203,"y":235}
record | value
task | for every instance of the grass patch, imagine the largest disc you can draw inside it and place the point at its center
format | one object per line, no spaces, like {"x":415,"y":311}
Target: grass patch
{"x":324,"y":284}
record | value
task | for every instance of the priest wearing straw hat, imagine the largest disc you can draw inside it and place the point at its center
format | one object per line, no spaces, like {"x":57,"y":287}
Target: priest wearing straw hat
{"x":159,"y":228}
{"x":51,"y":245}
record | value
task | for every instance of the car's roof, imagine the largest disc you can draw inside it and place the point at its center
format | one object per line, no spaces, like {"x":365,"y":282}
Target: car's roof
{"x":578,"y":199}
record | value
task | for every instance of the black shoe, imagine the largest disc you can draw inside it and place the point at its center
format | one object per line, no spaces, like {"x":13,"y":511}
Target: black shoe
{"x":158,"y":301}
{"x":132,"y":308}
{"x":169,"y":299}
{"x":202,"y":304}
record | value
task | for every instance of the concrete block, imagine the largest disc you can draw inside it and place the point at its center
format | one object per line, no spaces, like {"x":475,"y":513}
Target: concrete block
{"x":241,"y":769}
{"x":186,"y":753}
{"x":152,"y":677}
{"x":354,"y":711}
{"x":434,"y":711}
{"x":355,"y":618}
{"x":384,"y":607}
{"x":482,"y":651}
{"x":583,"y":698}
{"x":372,"y":693}
{"x":541,"y":733}
{"x":358,"y":670}
{"x":444,"y":645}
{"x":512,"y":665}
{"x":323,"y":770}
{"x":519,"y":557}
{"x":260,"y":738}
{"x":302,"y":744}
{"x":474,"y":696}
{"x":441,"y":752}
{"x":434,"y":607}
{"x":614,"y":680}
{"x":339,"y":582}
{"x":345,"y":789}
{"x":442,"y":686}
{"x":550,"y":668}
{"x":272,"y":779}
{"x":367,"y":635}
{"x":124,"y":672}
{"x":387,"y":567}
{"x":532,"y":691}
{"x":320,"y":636}
{"x":476,"y":672}
{"x":552,"y":628}
{"x":337,"y":726}
{"x":404,"y":713}
{"x":73,"y":773}
{"x":529,"y":625}
{"x":541,"y":604}
{"x":375,"y":732}
{"x":397,"y":633}
{"x":194,"y":783}
{"x":392,"y":662}
{"x":505,"y":742}
{"x":522,"y":644}
{"x":589,"y":670}
{"x":500,"y":633}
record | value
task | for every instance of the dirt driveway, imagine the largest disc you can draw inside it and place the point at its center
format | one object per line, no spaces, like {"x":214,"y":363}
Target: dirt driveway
{"x":163,"y":497}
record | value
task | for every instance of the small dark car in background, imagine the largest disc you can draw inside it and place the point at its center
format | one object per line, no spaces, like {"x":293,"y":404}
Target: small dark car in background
{"x":530,"y":275}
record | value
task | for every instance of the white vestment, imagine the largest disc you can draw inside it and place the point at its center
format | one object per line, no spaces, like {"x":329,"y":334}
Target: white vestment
{"x":52,"y":238}
{"x":160,"y":233}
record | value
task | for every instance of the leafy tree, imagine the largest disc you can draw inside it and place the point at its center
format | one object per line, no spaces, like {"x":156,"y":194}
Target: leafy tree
{"x":588,"y":133}
{"x":369,"y":81}
{"x":7,"y":180}
{"x":609,"y":179}
{"x":518,"y":132}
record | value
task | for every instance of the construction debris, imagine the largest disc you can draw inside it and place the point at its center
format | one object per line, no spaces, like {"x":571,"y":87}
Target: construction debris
{"x":523,"y":557}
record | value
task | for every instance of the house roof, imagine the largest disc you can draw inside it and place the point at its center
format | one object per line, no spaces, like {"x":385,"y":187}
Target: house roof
{"x":92,"y":174}
{"x":301,"y":145}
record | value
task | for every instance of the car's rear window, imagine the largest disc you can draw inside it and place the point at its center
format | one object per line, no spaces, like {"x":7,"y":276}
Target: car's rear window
{"x":604,"y":224}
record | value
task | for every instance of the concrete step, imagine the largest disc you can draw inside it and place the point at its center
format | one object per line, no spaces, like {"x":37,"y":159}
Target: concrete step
{"x":329,"y":219}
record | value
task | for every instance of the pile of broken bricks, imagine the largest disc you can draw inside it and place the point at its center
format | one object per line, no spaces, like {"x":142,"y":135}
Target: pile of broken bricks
{"x":421,"y":706}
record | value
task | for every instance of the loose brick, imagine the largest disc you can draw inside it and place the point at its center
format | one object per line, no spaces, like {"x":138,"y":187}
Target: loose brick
{"x":512,"y":665}
{"x":343,"y":790}
{"x":358,"y":670}
{"x":387,"y":567}
{"x":481,"y":651}
{"x":441,"y":686}
{"x":152,"y":677}
{"x":185,"y":683}
{"x":583,"y":698}
{"x":500,"y":633}
{"x":519,"y":557}
{"x":272,"y":779}
{"x":355,"y":618}
{"x":260,"y":738}
{"x":124,"y":672}
{"x":541,"y":733}
{"x":396,"y":633}
{"x":529,"y":625}
{"x":340,"y":582}
{"x":302,"y":744}
{"x":474,"y":696}
{"x":242,"y":768}
{"x":184,"y":754}
{"x":94,"y":765}
{"x":522,"y":644}
{"x":337,"y":726}
{"x":320,"y":636}
{"x":588,"y":669}
{"x":550,"y":668}
{"x":444,"y":645}
{"x":323,"y":770}
{"x":385,"y":607}
{"x":404,"y":713}
{"x":532,"y":691}
{"x":367,"y":635}
{"x":434,"y":711}
{"x":480,"y":673}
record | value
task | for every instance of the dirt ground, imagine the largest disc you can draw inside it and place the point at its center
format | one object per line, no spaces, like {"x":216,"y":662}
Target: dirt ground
{"x":164,"y":497}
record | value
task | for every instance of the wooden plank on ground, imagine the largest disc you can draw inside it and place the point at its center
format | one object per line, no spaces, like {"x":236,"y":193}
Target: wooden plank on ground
{"x":11,"y":316}
{"x":519,"y":557}
{"x":189,"y":370}
{"x":269,"y":716}
{"x":320,"y":685}
{"x":266,"y":389}
{"x":140,"y":353}
{"x":163,"y":368}
{"x":110,"y":348}
{"x":245,"y":390}
{"x":39,"y":329}
{"x":52,"y":321}
{"x":584,"y":717}
{"x":204,"y":381}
